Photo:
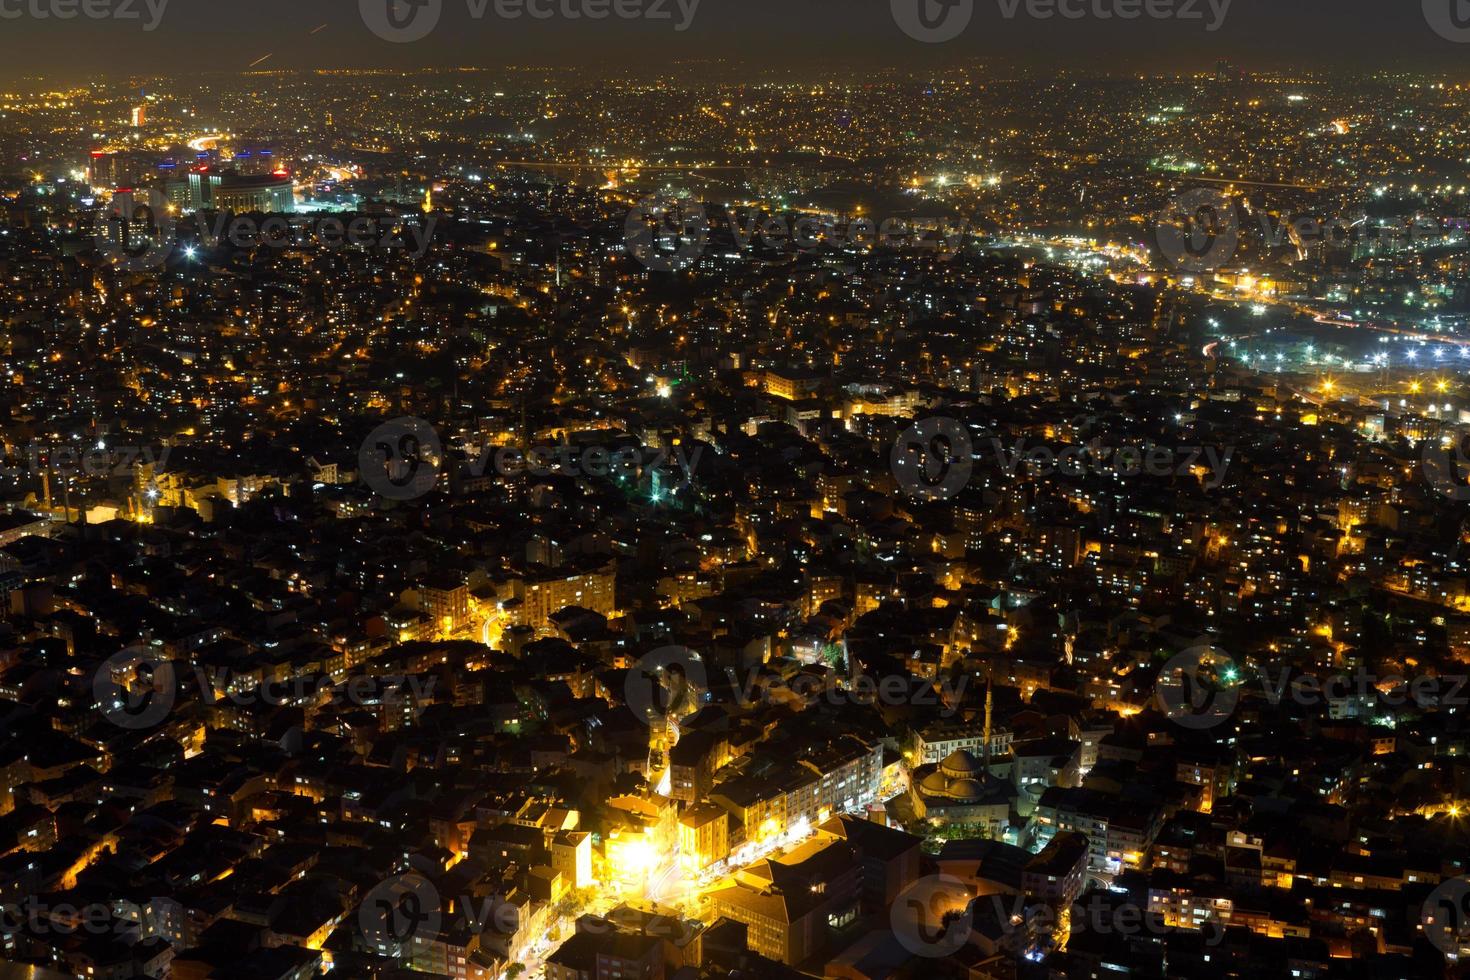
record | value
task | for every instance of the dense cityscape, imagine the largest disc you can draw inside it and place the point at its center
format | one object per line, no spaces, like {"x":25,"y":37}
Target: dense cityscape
{"x":537,"y":523}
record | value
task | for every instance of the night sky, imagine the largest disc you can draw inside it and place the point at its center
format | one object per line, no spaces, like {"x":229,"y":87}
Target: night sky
{"x":228,"y":35}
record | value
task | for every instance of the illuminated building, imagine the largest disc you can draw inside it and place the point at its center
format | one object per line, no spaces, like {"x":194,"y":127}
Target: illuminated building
{"x":272,"y":193}
{"x":446,"y":602}
{"x":960,"y":791}
{"x":1057,"y":873}
{"x":704,"y":837}
{"x":542,"y":595}
{"x":571,"y":854}
{"x":794,"y":904}
{"x":791,"y":385}
{"x":940,"y":739}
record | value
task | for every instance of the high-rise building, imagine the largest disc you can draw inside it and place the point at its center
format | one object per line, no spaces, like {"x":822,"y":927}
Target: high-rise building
{"x":204,"y":189}
{"x":272,"y":192}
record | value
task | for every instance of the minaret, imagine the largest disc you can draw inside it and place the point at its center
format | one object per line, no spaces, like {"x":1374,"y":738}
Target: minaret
{"x":985,"y":739}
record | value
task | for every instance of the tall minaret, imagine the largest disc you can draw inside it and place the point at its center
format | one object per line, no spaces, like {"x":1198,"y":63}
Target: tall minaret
{"x":985,"y":739}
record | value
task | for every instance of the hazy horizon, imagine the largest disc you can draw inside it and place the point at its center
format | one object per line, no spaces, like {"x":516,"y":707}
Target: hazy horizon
{"x":1354,"y":36}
